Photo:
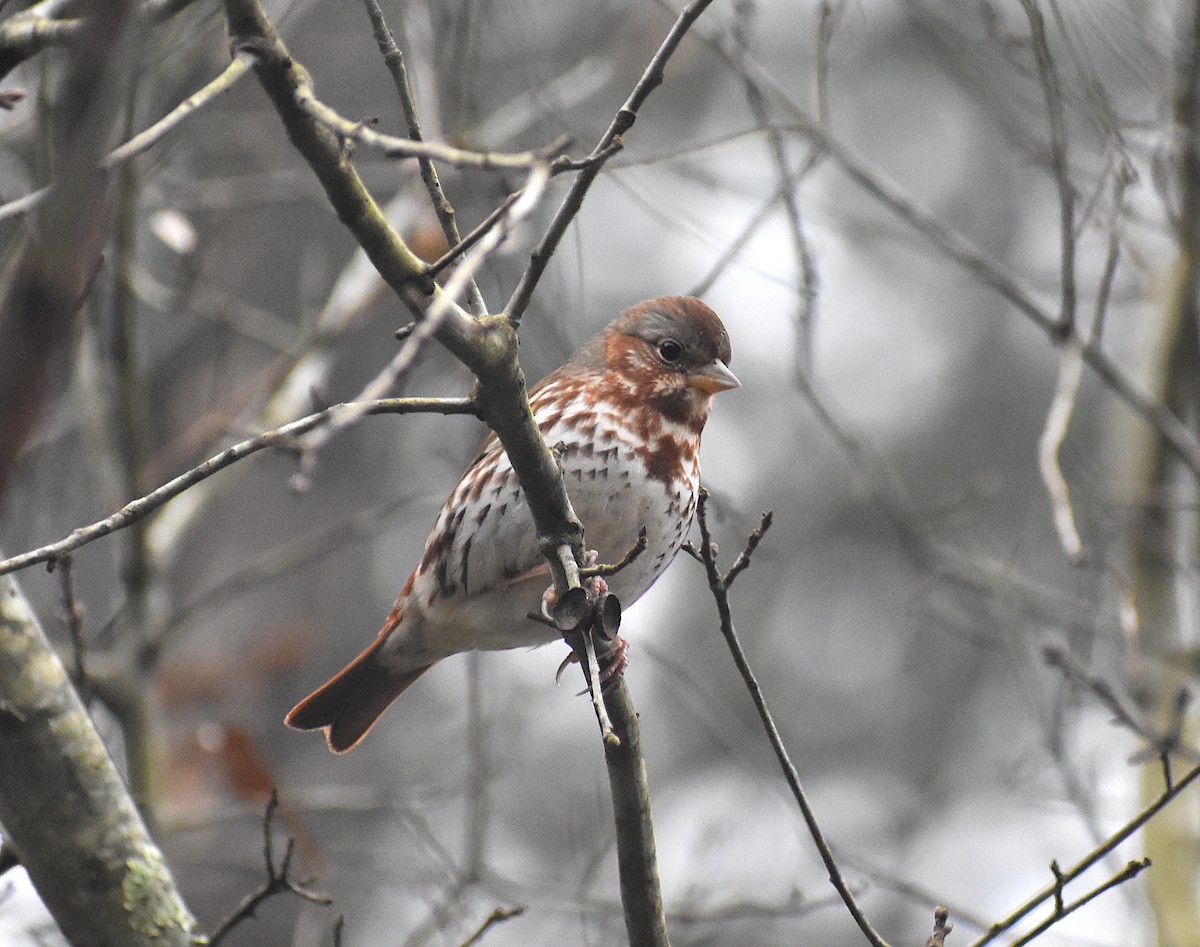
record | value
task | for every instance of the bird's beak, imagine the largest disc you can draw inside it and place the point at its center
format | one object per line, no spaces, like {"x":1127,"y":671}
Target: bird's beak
{"x":713,"y":378}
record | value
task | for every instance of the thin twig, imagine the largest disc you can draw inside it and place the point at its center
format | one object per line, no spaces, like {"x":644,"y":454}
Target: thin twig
{"x":73,"y":619}
{"x":1058,"y":164}
{"x":279,"y":437}
{"x":1129,"y":872}
{"x":788,"y":186}
{"x":1070,"y":374}
{"x":831,"y":15}
{"x":395,"y":147}
{"x":498,"y":916}
{"x":1088,"y":860}
{"x":719,"y":585}
{"x":143,"y":141}
{"x":626,"y":115}
{"x":458,"y":249}
{"x":559,"y":165}
{"x":151,"y":136}
{"x":607,"y":569}
{"x":427,"y":328}
{"x":393,"y":58}
{"x":742,"y":562}
{"x":1167,"y":742}
{"x":278,"y":881}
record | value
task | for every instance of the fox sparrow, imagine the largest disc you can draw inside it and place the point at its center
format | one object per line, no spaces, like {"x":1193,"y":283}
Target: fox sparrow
{"x":624,"y":416}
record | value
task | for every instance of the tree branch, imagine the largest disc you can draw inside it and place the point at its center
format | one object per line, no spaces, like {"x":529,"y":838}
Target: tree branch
{"x":67,"y":810}
{"x":393,"y":58}
{"x":278,"y":880}
{"x":626,"y":115}
{"x":488,"y":346}
{"x":281,"y":437}
{"x":719,"y":585}
{"x":1088,"y":860}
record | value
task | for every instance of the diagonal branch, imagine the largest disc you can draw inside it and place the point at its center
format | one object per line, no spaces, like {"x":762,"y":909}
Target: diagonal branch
{"x":626,"y":115}
{"x":955,"y":246}
{"x":487,"y":346}
{"x":459,"y":283}
{"x":719,"y":585}
{"x":1088,"y":860}
{"x":283,"y":436}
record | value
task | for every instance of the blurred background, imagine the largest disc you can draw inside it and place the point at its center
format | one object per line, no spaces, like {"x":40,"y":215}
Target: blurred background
{"x":870,"y":195}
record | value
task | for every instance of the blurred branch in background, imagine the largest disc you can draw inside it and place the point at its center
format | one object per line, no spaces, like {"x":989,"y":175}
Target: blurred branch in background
{"x":928,"y":169}
{"x":278,"y":880}
{"x":1062,"y":878}
{"x":63,"y":805}
{"x":147,"y":139}
{"x":626,"y":115}
{"x":280,"y":439}
{"x":1165,"y":537}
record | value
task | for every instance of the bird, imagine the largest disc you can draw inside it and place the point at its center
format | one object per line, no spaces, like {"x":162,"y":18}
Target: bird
{"x":624,"y":417}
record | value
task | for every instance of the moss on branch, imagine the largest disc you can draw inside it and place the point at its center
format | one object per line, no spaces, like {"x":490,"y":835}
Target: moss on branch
{"x":66,"y":809}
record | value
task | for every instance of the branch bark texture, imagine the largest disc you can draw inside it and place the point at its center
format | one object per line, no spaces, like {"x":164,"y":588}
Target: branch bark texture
{"x":65,"y":808}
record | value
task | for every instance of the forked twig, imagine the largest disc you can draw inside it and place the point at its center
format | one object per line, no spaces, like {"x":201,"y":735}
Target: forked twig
{"x":626,"y":115}
{"x":719,"y":584}
{"x":1088,"y":860}
{"x":278,"y":881}
{"x":1061,"y":910}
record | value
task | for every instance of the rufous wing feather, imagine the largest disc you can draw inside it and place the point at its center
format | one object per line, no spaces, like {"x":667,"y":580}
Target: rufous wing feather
{"x":347,"y":707}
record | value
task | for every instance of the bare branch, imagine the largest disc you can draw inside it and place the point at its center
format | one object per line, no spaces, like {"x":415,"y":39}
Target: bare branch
{"x":626,"y":115}
{"x":278,"y":880}
{"x":279,"y":437}
{"x":1091,"y":858}
{"x":1174,"y":433}
{"x":393,"y":58}
{"x":637,"y":856}
{"x":631,"y":553}
{"x":1058,"y":163}
{"x":719,"y":586}
{"x":395,"y":147}
{"x":1128,"y":873}
{"x":498,"y":916}
{"x":742,"y":562}
{"x":147,"y":139}
{"x":462,"y":278}
{"x":1164,"y":743}
{"x":143,"y":141}
{"x":788,"y":185}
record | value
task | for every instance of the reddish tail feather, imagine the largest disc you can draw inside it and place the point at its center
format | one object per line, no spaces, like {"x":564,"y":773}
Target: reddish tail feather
{"x":347,"y":706}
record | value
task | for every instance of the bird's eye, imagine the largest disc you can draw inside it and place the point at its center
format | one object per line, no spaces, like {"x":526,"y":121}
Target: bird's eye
{"x":670,"y":350}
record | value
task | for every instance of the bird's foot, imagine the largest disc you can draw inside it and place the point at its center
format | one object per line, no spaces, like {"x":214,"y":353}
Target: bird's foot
{"x":596,"y":587}
{"x":611,"y":671}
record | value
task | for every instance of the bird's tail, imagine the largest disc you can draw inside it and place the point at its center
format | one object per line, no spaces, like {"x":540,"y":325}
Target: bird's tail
{"x":347,"y":706}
